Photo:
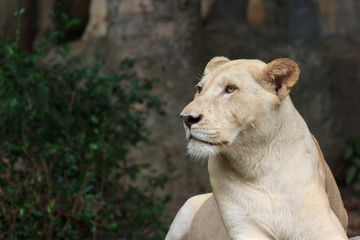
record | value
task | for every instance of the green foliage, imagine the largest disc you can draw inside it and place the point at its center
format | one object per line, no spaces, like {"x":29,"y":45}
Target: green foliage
{"x":352,"y":155}
{"x":65,"y":133}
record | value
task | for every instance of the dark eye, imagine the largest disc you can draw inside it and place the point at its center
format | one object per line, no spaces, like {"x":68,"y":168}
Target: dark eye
{"x":198,"y":88}
{"x":230,"y":89}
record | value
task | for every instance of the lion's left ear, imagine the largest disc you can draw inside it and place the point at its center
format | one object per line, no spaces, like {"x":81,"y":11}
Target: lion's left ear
{"x":215,"y":63}
{"x":281,"y":75}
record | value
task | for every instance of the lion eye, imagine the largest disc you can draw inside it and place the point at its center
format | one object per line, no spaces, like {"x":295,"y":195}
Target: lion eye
{"x":198,"y":89}
{"x":230,"y":89}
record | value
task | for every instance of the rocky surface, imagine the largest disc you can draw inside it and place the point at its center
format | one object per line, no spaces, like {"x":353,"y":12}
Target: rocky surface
{"x":318,"y":36}
{"x":168,"y":42}
{"x":162,"y":36}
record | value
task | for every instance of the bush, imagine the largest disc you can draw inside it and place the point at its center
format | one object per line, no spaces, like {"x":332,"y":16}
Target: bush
{"x":352,"y":155}
{"x":66,"y":131}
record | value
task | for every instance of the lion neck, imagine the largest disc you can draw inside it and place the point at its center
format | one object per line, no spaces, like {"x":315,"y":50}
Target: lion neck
{"x":268,"y":143}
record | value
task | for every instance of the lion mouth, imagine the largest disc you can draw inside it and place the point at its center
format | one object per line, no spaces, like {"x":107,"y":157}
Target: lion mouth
{"x":208,"y":143}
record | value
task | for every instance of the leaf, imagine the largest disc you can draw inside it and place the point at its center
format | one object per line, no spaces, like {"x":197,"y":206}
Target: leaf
{"x":18,"y":13}
{"x":94,"y":119}
{"x":350,"y":174}
{"x":88,"y":189}
{"x":110,"y":79}
{"x":112,"y":226}
{"x":93,"y":146}
{"x":356,"y":160}
{"x":126,"y":64}
{"x":158,"y":208}
{"x":72,"y":22}
{"x":357,"y":147}
{"x":154,"y":80}
{"x":50,"y":206}
{"x":66,"y":48}
{"x":64,"y":16}
{"x":21,"y":212}
{"x":348,"y":153}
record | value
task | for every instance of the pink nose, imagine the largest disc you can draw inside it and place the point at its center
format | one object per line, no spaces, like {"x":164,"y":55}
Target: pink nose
{"x":190,"y":120}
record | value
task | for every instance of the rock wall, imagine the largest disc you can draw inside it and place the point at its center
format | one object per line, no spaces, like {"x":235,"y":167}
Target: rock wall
{"x":322,"y":37}
{"x":163,"y":38}
{"x":168,"y":42}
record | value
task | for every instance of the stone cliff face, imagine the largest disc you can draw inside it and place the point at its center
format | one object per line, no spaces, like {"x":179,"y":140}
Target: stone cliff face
{"x":163,"y":37}
{"x":322,"y":37}
{"x":169,"y":43}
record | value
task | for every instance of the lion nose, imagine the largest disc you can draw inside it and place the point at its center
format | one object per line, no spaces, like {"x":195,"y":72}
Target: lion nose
{"x":190,"y":120}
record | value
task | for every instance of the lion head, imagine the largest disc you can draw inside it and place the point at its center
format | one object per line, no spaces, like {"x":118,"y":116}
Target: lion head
{"x":235,"y":99}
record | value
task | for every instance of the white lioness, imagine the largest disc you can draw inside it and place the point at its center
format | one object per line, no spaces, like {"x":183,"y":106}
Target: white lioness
{"x":268,"y":175}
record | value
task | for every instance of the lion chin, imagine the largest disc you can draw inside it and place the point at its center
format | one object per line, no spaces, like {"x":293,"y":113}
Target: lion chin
{"x":201,"y":150}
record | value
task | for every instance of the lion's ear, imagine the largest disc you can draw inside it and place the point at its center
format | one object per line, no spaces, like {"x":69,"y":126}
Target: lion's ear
{"x":281,"y":75}
{"x":215,"y":63}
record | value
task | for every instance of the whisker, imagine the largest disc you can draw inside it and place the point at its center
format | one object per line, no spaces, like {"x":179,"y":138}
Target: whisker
{"x":202,"y":128}
{"x":198,"y":74}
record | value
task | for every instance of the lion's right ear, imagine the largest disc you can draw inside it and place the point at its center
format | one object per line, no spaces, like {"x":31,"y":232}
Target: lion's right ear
{"x":280,"y":76}
{"x":215,"y":63}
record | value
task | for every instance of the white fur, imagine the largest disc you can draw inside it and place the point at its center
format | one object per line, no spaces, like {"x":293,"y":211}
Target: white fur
{"x":97,"y":25}
{"x":180,"y":227}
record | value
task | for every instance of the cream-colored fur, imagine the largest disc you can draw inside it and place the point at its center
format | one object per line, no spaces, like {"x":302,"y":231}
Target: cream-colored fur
{"x":267,"y":172}
{"x":97,"y":25}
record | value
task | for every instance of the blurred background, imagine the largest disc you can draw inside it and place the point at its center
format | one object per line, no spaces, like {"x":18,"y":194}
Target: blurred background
{"x":92,"y":145}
